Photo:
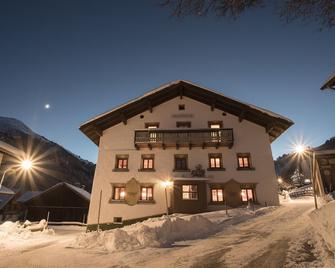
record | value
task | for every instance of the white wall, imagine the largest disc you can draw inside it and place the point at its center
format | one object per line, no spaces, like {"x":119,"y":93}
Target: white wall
{"x":248,"y":137}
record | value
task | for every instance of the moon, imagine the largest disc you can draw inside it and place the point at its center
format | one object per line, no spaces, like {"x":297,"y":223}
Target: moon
{"x":47,"y":106}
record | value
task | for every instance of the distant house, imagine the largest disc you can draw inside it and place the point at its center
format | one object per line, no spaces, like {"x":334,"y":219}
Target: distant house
{"x":213,"y":150}
{"x":6,"y":196}
{"x":63,"y":202}
{"x":330,"y":84}
{"x":325,"y":163}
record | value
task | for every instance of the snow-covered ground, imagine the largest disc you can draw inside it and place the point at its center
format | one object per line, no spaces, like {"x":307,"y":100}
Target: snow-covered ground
{"x":269,"y":237}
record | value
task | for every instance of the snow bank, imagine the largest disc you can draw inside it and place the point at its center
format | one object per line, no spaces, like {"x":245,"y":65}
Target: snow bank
{"x":159,"y":232}
{"x":323,"y":221}
{"x":16,"y":231}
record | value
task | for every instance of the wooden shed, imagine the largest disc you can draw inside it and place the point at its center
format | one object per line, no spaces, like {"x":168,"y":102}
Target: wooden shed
{"x":64,"y":203}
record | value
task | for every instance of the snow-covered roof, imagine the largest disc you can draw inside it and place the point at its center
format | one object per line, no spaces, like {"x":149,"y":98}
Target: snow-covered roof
{"x":27,"y":196}
{"x":275,"y":123}
{"x":80,"y":191}
{"x":5,"y":190}
{"x":4,"y":199}
{"x":30,"y":195}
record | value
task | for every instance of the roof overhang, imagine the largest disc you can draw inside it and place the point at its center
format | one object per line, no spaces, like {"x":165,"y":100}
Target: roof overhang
{"x":274,"y":124}
{"x":330,"y":84}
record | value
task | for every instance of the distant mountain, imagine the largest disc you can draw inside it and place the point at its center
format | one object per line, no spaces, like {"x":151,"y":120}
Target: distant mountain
{"x":286,"y":164}
{"x":53,"y":162}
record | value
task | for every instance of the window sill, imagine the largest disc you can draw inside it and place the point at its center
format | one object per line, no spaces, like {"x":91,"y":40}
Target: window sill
{"x":120,"y":170}
{"x":181,"y":170}
{"x":250,"y":168}
{"x":149,"y":202}
{"x":114,"y":201}
{"x":146,"y":170}
{"x":219,"y":203}
{"x":216,"y":169}
{"x":190,"y":199}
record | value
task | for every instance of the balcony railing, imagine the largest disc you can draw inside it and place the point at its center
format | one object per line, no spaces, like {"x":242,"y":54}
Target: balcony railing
{"x":184,"y":138}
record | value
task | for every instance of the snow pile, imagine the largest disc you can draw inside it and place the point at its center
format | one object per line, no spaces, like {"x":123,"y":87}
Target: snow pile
{"x":151,"y":233}
{"x":14,"y":230}
{"x":323,"y":221}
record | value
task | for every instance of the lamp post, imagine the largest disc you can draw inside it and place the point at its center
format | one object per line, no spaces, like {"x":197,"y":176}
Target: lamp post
{"x":166,"y":184}
{"x":301,"y":150}
{"x":25,"y":165}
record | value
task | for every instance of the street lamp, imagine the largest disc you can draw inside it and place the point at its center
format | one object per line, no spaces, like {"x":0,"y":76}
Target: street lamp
{"x":301,"y":149}
{"x":25,"y":165}
{"x":166,"y":184}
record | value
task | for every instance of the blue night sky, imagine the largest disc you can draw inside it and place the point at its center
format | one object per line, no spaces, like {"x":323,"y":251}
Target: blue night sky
{"x":85,"y":57}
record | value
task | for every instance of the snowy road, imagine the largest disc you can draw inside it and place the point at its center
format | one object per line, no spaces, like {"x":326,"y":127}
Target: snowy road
{"x":281,"y":238}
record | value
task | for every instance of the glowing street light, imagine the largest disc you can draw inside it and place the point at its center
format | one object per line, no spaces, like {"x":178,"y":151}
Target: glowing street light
{"x":280,"y":180}
{"x":301,"y":149}
{"x":25,"y":165}
{"x":167,"y":184}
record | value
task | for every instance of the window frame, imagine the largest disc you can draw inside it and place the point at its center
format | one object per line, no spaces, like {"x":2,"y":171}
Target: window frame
{"x":152,"y":193}
{"x":145,"y":157}
{"x":190,"y":192}
{"x":247,"y":189}
{"x":121,"y":157}
{"x":217,"y":191}
{"x":244,"y":156}
{"x":215,"y":156}
{"x":181,"y":156}
{"x":120,"y":199}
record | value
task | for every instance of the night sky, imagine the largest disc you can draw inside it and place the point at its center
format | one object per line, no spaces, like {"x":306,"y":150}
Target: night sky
{"x":86,"y":57}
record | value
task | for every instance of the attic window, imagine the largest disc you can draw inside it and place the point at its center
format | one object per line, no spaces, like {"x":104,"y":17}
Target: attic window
{"x":181,"y":107}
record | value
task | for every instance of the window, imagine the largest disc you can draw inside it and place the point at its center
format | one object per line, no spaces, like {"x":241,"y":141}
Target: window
{"x":247,"y":194}
{"x":152,"y":135}
{"x":181,"y":107}
{"x":180,"y":162}
{"x":215,"y":135}
{"x":215,"y":161}
{"x":121,"y":162}
{"x":217,"y":195}
{"x":119,"y":193}
{"x":215,"y":124}
{"x":151,"y":125}
{"x":148,"y":162}
{"x":146,"y":193}
{"x":244,"y":161}
{"x":183,"y":124}
{"x":190,"y":192}
{"x":117,"y":220}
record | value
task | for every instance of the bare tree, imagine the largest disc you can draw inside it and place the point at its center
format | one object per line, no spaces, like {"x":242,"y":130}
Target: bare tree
{"x":320,"y":11}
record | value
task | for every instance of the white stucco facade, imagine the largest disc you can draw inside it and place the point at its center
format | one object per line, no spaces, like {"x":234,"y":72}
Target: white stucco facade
{"x":119,"y":139}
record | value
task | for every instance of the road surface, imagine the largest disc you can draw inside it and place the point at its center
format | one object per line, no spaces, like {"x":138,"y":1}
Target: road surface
{"x":281,"y":238}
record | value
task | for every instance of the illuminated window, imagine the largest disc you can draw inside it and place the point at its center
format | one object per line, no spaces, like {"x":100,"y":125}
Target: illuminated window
{"x":119,"y":193}
{"x":215,"y":161}
{"x":152,"y":135}
{"x":121,"y":162}
{"x":190,"y":192}
{"x":215,"y":135}
{"x":247,"y":194}
{"x":147,"y":162}
{"x":217,"y":195}
{"x":244,"y":160}
{"x":146,"y":193}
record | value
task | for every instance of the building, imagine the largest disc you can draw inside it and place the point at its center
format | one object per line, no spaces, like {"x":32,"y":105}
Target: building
{"x":324,"y":164}
{"x":216,"y":151}
{"x":63,"y":202}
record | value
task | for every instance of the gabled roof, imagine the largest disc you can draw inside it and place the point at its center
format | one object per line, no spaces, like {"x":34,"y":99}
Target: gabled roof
{"x":5,"y":190}
{"x":84,"y":194}
{"x":330,"y":84}
{"x":275,"y":124}
{"x":27,"y":196}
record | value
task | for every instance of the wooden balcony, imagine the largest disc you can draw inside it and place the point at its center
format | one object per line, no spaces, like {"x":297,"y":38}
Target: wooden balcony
{"x":160,"y":138}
